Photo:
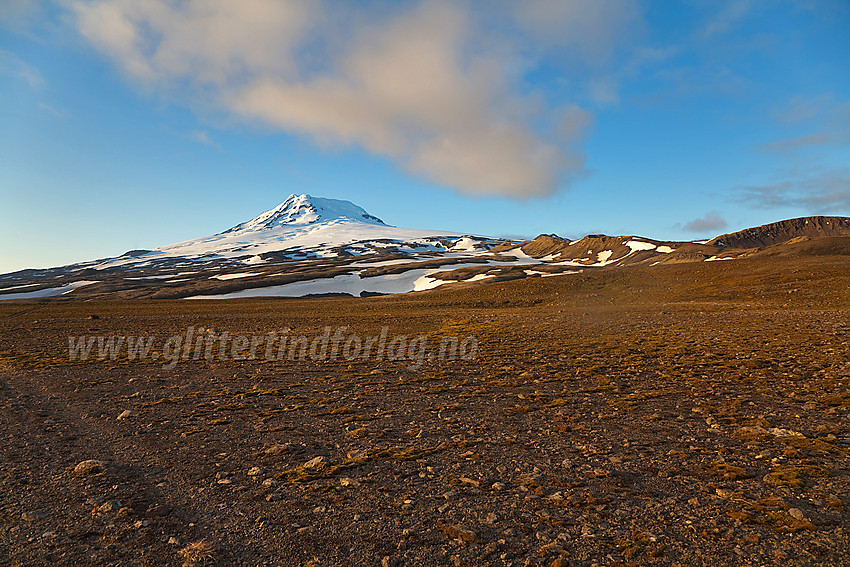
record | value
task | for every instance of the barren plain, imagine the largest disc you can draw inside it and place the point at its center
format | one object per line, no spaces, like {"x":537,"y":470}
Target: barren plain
{"x":692,"y":414}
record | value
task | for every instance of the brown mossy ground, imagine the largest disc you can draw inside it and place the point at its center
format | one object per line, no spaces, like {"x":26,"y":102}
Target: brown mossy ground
{"x":684,"y":414}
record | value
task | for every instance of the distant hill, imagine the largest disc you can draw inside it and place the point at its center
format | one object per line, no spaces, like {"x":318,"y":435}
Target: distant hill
{"x":783,"y":231}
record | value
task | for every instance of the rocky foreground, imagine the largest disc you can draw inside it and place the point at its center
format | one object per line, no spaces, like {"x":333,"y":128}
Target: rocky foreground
{"x":683,"y":419}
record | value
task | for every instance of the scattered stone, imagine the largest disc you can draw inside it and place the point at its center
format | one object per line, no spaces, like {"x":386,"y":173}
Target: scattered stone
{"x":779,"y":432}
{"x":197,"y":552}
{"x":270,"y":483}
{"x":552,"y":548}
{"x":276,"y":450}
{"x":108,"y":507}
{"x":357,"y":454}
{"x":723,"y":493}
{"x":33,"y":516}
{"x":316,"y":462}
{"x":90,"y":466}
{"x":254,"y":471}
{"x":159,"y":511}
{"x":125,"y":415}
{"x":174,"y":540}
{"x":345,"y":481}
{"x":796,"y":513}
{"x":458,"y":532}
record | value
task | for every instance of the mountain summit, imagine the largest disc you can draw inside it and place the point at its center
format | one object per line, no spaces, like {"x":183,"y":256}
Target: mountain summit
{"x":305,"y":209}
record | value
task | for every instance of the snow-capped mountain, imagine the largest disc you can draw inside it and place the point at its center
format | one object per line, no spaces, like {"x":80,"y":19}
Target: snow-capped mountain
{"x":306,"y":209}
{"x":304,"y":234}
{"x":317,"y":246}
{"x":301,"y":227}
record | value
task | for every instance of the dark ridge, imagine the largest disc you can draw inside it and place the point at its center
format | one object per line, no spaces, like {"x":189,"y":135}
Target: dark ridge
{"x":133,"y":253}
{"x":783,"y":231}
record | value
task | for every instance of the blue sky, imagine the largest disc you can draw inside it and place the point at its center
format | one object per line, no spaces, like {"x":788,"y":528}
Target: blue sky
{"x":132,"y":124}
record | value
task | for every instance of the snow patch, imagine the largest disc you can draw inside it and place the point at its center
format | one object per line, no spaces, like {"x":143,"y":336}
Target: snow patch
{"x":17,"y":287}
{"x":516,"y":253}
{"x":425,"y":282}
{"x":49,"y":292}
{"x":603,"y":256}
{"x":416,"y":279}
{"x":548,"y":274}
{"x":636,"y":245}
{"x":236,"y":276}
{"x":161,"y":276}
{"x":465,"y":244}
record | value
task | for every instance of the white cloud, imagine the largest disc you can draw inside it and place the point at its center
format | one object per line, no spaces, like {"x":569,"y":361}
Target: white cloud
{"x":710,"y":222}
{"x":19,"y":15}
{"x":57,"y":112}
{"x":817,"y":189}
{"x":204,"y":138}
{"x":785,"y":145}
{"x":205,"y":41}
{"x":14,"y":66}
{"x":827,"y":120}
{"x":729,"y":16}
{"x":593,"y":29}
{"x":423,"y":83}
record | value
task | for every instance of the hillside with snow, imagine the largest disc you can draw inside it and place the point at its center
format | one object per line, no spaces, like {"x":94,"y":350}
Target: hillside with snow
{"x":317,"y":246}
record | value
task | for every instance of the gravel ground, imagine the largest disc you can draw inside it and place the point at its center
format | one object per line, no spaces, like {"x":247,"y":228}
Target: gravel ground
{"x":584,"y":432}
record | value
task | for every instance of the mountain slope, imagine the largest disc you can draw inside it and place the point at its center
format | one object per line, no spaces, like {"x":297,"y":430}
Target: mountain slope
{"x":783,"y":231}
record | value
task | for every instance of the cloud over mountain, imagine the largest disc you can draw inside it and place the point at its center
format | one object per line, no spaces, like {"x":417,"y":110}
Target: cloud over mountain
{"x":711,"y":221}
{"x":429,"y":85}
